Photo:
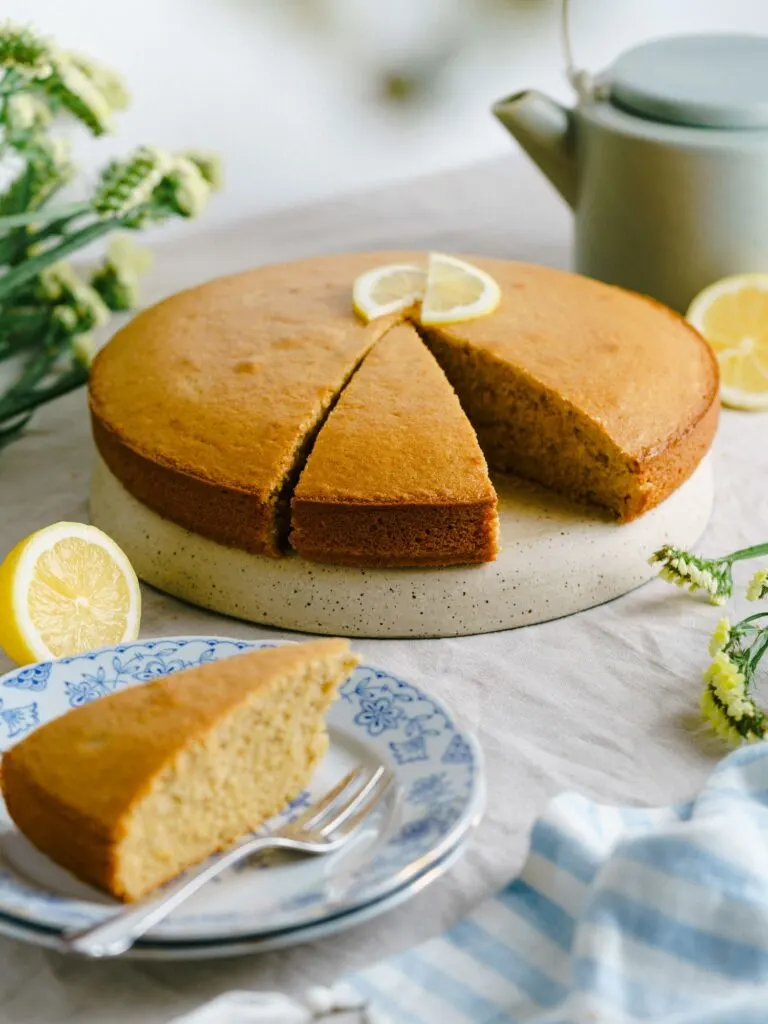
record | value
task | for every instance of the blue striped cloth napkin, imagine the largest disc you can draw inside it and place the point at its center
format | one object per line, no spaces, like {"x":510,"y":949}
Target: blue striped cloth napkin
{"x":619,"y":915}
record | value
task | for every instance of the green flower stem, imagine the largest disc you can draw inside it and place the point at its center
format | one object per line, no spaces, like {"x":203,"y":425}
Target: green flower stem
{"x":758,"y":652}
{"x":19,"y":220}
{"x":34,"y":371}
{"x":738,"y":556}
{"x":752,"y":618}
{"x":28,"y":270}
{"x":70,"y":380}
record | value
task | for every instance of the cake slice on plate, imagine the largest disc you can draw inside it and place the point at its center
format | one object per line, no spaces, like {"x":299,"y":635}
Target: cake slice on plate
{"x":128,"y":791}
{"x":396,"y":476}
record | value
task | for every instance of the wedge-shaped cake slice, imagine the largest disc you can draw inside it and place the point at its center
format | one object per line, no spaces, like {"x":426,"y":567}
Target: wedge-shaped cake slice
{"x":604,"y":395}
{"x":130,"y":790}
{"x":204,"y":406}
{"x":396,"y":476}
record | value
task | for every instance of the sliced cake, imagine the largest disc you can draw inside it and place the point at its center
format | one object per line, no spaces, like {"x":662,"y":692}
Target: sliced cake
{"x":396,"y":476}
{"x":602,"y":394}
{"x":204,"y":405}
{"x":128,"y":791}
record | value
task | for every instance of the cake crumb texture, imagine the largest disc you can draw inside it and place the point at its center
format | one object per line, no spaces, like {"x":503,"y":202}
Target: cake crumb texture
{"x":128,"y":791}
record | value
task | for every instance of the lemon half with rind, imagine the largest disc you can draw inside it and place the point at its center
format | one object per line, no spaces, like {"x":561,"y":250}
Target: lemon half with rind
{"x":732,"y":314}
{"x":65,"y":590}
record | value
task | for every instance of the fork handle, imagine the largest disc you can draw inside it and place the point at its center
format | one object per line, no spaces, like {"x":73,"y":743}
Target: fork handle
{"x":119,"y":932}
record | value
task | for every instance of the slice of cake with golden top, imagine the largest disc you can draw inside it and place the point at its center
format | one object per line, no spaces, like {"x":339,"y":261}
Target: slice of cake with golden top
{"x":128,"y":791}
{"x":396,"y":476}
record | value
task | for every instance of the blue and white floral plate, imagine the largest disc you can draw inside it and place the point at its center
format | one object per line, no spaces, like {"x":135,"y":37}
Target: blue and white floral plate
{"x":440,"y":797}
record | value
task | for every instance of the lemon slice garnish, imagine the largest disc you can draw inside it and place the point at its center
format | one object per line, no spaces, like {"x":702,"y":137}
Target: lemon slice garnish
{"x":64,"y":590}
{"x":387,"y":289}
{"x":732,"y":314}
{"x":456,"y":291}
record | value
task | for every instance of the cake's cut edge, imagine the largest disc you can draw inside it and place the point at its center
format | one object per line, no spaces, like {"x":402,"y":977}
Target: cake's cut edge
{"x":396,"y":477}
{"x":130,"y":790}
{"x":230,"y":511}
{"x":568,"y":450}
{"x":392,"y":536}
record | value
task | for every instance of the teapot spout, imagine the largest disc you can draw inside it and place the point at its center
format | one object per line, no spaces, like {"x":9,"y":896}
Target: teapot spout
{"x":545,"y":131}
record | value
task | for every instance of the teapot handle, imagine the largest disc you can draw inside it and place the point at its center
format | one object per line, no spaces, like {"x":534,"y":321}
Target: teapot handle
{"x":586,"y":85}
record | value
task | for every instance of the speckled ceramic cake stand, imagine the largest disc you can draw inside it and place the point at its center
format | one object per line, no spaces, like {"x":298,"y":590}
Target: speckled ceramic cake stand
{"x":555,"y":559}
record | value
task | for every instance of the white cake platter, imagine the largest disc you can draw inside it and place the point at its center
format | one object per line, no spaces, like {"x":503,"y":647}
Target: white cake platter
{"x":556,"y":558}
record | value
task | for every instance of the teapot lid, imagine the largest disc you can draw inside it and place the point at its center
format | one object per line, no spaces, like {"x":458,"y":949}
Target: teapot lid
{"x":709,"y":81}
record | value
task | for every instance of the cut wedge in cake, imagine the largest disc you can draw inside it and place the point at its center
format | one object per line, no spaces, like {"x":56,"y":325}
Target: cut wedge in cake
{"x":128,"y":791}
{"x":396,"y":476}
{"x":599,"y":393}
{"x":205,"y":405}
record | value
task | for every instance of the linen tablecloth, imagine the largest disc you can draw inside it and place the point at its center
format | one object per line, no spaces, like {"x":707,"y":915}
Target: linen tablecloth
{"x":604,"y":702}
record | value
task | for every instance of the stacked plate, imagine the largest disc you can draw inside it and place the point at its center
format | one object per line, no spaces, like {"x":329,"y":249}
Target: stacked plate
{"x":423,"y":829}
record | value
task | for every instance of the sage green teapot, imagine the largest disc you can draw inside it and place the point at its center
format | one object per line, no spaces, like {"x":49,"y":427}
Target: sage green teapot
{"x":664,"y":161}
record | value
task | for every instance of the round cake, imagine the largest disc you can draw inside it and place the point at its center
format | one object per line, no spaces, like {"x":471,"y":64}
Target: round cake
{"x":258,"y":412}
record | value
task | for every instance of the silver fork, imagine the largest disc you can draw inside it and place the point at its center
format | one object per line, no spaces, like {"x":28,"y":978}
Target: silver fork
{"x":323,"y":828}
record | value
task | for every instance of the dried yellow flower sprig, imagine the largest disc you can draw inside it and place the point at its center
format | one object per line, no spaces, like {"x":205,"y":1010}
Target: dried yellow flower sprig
{"x":713,"y":576}
{"x":726,"y":701}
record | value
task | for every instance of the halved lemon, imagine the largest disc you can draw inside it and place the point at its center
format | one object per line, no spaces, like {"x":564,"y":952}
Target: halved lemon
{"x":64,"y":590}
{"x":732,"y":315}
{"x":456,"y":291}
{"x":387,"y":289}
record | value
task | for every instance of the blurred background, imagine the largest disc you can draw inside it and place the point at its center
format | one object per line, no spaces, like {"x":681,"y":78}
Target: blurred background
{"x":311,"y":98}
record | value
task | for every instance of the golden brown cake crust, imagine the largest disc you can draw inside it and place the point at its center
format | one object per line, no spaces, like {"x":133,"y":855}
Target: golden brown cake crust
{"x":396,"y":476}
{"x":613,"y":366}
{"x":111,"y":750}
{"x":628,"y":362}
{"x":203,"y":404}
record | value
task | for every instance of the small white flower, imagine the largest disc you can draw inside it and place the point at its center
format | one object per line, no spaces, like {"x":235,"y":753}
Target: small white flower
{"x":24,"y":112}
{"x":84,"y":349}
{"x":191,"y":190}
{"x":57,"y":279}
{"x":127,"y":257}
{"x":108,"y":82}
{"x":209,"y":165}
{"x":66,"y":317}
{"x":83,"y":90}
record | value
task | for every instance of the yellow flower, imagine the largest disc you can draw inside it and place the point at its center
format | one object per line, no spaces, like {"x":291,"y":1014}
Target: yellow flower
{"x":758,"y":585}
{"x":718,"y":719}
{"x":720,"y":637}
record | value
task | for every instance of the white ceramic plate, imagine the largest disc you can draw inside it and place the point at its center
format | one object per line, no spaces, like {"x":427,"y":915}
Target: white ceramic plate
{"x":245,"y":945}
{"x":440,"y":796}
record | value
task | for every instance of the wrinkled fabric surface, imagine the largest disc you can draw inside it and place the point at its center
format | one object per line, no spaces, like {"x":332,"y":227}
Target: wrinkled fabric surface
{"x":620,"y":914}
{"x":603,"y":703}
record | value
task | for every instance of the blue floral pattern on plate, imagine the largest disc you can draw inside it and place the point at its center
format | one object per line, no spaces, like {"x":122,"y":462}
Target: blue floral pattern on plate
{"x":378,"y":716}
